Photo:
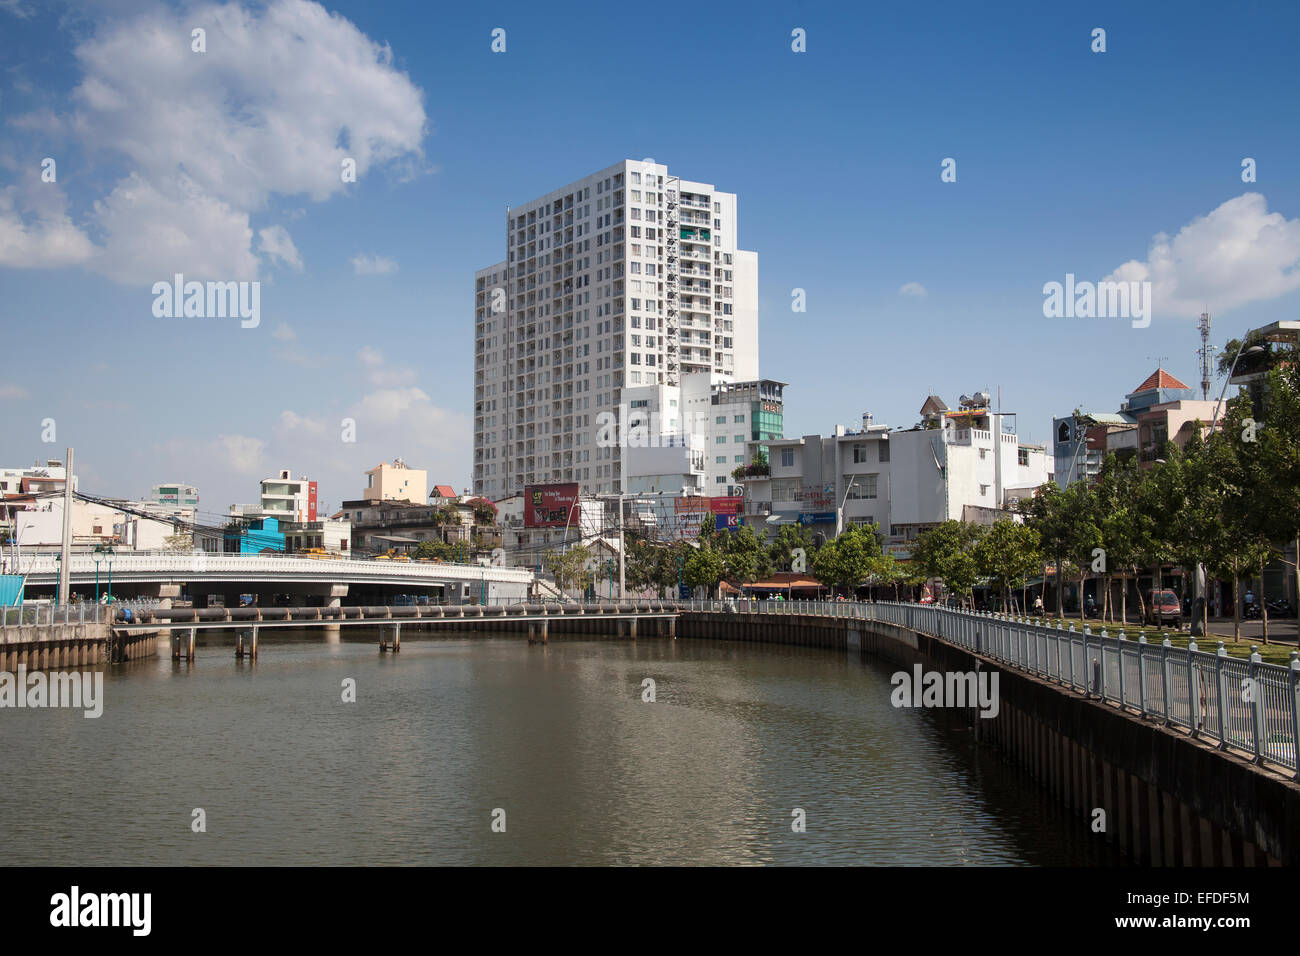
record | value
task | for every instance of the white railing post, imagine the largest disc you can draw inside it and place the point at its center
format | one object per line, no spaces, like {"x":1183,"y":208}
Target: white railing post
{"x":1257,"y":702}
{"x":1221,"y":655}
{"x":1294,"y":676}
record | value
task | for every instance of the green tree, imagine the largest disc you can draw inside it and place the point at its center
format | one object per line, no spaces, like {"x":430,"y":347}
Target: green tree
{"x":788,"y":538}
{"x":847,"y":561}
{"x":570,"y":567}
{"x":1044,"y":512}
{"x":436,"y":550}
{"x":1008,"y":554}
{"x":705,"y":568}
{"x":745,"y":558}
{"x":946,"y":551}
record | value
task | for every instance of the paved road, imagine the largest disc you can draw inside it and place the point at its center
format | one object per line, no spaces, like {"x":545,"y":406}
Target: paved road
{"x":1279,"y":631}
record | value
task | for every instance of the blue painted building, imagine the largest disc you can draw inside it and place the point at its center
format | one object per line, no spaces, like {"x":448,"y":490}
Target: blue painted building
{"x":261,"y":534}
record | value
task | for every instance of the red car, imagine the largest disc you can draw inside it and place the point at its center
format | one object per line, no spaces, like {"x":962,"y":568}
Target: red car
{"x":1163,"y":607}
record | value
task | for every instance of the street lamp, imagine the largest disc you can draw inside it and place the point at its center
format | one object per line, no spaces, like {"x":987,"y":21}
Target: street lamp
{"x":1198,"y":607}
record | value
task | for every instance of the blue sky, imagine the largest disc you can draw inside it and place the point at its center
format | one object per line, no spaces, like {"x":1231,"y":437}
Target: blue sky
{"x":1068,"y":161}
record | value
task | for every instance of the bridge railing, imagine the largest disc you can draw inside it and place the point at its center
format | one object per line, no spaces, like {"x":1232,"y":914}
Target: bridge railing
{"x":135,"y":562}
{"x":1245,"y":705}
{"x":43,"y":614}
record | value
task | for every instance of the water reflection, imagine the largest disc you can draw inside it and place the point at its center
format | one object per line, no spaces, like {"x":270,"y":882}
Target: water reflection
{"x":557,"y":736}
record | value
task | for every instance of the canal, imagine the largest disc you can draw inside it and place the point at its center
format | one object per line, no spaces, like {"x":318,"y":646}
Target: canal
{"x":453,"y":729}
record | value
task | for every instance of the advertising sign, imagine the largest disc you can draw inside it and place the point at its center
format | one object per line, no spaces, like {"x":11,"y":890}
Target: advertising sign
{"x":550,"y":506}
{"x":726,"y":522}
{"x":818,"y":517}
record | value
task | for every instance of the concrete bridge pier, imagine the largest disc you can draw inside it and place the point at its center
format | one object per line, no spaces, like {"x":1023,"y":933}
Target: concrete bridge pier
{"x":538,"y":632}
{"x":397,"y":640}
{"x":334,"y":595}
{"x":246,"y":649}
{"x":183,"y":647}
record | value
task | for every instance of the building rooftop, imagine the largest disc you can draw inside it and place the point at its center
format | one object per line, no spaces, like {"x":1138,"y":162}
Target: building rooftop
{"x":1159,"y":379}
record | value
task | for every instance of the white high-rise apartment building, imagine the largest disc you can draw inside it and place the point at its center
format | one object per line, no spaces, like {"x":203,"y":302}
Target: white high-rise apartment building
{"x":628,"y":277}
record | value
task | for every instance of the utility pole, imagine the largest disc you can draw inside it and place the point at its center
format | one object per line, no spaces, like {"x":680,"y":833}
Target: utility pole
{"x":65,"y":550}
{"x":621,"y":568}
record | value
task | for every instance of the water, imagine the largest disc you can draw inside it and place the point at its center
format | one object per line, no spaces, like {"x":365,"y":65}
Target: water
{"x":558,"y":737}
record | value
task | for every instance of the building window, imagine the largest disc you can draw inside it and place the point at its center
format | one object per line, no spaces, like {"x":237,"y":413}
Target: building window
{"x":859,"y":454}
{"x":787,"y":457}
{"x":787,"y":489}
{"x":884,"y":450}
{"x":860,"y":486}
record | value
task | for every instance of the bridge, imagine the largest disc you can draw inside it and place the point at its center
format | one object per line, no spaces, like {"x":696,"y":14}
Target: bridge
{"x":305,"y":581}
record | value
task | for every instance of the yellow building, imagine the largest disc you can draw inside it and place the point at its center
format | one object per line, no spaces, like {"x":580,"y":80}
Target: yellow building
{"x":396,"y":482}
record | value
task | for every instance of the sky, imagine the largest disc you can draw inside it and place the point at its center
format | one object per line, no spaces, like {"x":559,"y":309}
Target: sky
{"x":225,"y":165}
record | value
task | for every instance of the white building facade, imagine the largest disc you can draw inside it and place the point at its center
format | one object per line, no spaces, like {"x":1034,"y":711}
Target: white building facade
{"x":629,"y":277}
{"x":967,"y":465}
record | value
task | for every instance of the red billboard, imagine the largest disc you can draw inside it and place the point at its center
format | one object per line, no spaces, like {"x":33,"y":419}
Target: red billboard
{"x":726,"y":505}
{"x":550,"y":506}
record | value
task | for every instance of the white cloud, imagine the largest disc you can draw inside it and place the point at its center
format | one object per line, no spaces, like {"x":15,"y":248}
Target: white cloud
{"x":243,"y":455}
{"x":151,"y":234}
{"x":8,"y":390}
{"x":1238,"y":253}
{"x":16,"y":7}
{"x":313,"y":427}
{"x":283,"y":333}
{"x":281,"y":97}
{"x":364,"y":265}
{"x":913,"y":289}
{"x":380,"y":372}
{"x":276,"y":244}
{"x":35,"y":230}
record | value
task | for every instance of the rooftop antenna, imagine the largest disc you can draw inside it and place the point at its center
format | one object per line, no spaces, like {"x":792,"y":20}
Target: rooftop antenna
{"x":1205,"y":352}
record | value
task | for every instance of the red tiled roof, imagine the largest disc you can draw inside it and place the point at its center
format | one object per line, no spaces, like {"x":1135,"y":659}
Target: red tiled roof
{"x":443,"y":491}
{"x":1159,"y":379}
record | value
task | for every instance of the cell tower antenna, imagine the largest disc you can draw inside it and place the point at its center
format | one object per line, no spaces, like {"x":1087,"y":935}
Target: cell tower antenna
{"x":1206,"y":351}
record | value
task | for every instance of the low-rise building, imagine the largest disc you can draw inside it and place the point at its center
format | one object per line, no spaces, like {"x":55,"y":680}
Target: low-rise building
{"x":966,"y":465}
{"x":396,"y":482}
{"x":257,"y":536}
{"x":34,"y":479}
{"x":175,"y":495}
{"x":325,"y":534}
{"x":36,"y":522}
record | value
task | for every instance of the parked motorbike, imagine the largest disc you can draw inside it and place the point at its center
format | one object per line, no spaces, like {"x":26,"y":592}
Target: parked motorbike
{"x":1280,"y":608}
{"x":1251,"y":612}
